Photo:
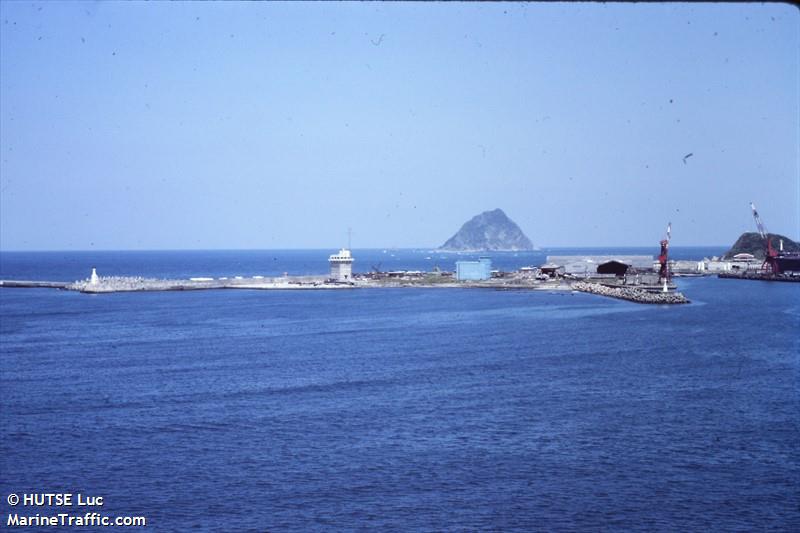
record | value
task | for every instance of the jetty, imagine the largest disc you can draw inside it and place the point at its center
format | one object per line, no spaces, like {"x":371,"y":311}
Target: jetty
{"x":131,"y":284}
{"x":114,"y":284}
{"x":35,"y":284}
{"x":632,"y":294}
{"x":760,"y":276}
{"x":111,"y":284}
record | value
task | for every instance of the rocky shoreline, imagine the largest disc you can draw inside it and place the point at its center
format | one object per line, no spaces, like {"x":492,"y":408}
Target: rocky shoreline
{"x":631,"y":294}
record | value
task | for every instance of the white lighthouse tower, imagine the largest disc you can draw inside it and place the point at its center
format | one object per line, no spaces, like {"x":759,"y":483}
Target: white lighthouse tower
{"x":341,"y":265}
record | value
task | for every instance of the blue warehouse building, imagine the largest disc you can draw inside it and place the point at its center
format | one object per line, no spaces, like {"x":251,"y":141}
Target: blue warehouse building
{"x":474,"y":270}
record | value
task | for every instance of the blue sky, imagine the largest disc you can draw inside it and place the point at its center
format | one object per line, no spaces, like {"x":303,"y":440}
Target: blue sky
{"x":275,"y":125}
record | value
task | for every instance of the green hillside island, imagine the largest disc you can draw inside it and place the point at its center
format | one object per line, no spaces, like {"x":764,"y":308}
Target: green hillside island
{"x":752,"y":243}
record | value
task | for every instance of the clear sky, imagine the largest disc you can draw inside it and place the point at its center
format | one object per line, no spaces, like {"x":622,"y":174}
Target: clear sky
{"x":274,"y":125}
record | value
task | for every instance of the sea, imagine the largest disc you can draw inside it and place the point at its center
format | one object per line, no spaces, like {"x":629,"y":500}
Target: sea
{"x":397,"y":409}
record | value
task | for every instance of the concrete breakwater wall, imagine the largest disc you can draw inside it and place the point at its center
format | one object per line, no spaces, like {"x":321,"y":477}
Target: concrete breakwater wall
{"x":631,"y":294}
{"x":758,"y":276}
{"x":20,"y":284}
{"x":130,"y":284}
{"x":126,"y":284}
{"x":111,"y":284}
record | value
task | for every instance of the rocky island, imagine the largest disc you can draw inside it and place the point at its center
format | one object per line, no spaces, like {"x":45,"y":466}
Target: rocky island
{"x":489,"y":231}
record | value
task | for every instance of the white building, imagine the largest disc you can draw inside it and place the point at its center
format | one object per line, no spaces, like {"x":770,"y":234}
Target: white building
{"x":341,"y":265}
{"x":682,"y":266}
{"x":717,"y":266}
{"x":739,"y":263}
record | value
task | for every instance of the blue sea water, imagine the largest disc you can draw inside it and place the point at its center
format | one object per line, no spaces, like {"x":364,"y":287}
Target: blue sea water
{"x":399,"y":409}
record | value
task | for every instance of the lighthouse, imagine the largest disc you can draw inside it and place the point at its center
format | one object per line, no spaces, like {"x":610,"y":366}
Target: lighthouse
{"x":341,"y":265}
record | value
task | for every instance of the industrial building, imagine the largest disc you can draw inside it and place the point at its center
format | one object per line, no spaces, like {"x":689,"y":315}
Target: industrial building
{"x":474,"y":270}
{"x":552,"y":270}
{"x":341,"y":265}
{"x":618,"y":268}
{"x":586,"y":265}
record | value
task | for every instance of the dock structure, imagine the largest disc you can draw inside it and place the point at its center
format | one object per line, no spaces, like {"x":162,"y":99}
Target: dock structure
{"x":760,"y":276}
{"x":341,"y":265}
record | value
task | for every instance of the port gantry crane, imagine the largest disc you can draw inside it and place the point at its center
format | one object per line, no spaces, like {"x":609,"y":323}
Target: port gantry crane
{"x":663,"y":257}
{"x":770,"y":265}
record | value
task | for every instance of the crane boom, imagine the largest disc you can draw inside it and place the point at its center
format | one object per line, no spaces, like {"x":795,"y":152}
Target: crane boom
{"x":770,"y":265}
{"x":759,"y":224}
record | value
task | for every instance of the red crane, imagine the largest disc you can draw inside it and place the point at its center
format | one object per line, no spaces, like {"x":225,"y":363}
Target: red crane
{"x":770,"y":265}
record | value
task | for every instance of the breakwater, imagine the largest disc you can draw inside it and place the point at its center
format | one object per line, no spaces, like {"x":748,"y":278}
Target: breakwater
{"x":34,"y":284}
{"x":131,"y":284}
{"x":631,"y":294}
{"x":758,"y":276}
{"x":111,"y":284}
